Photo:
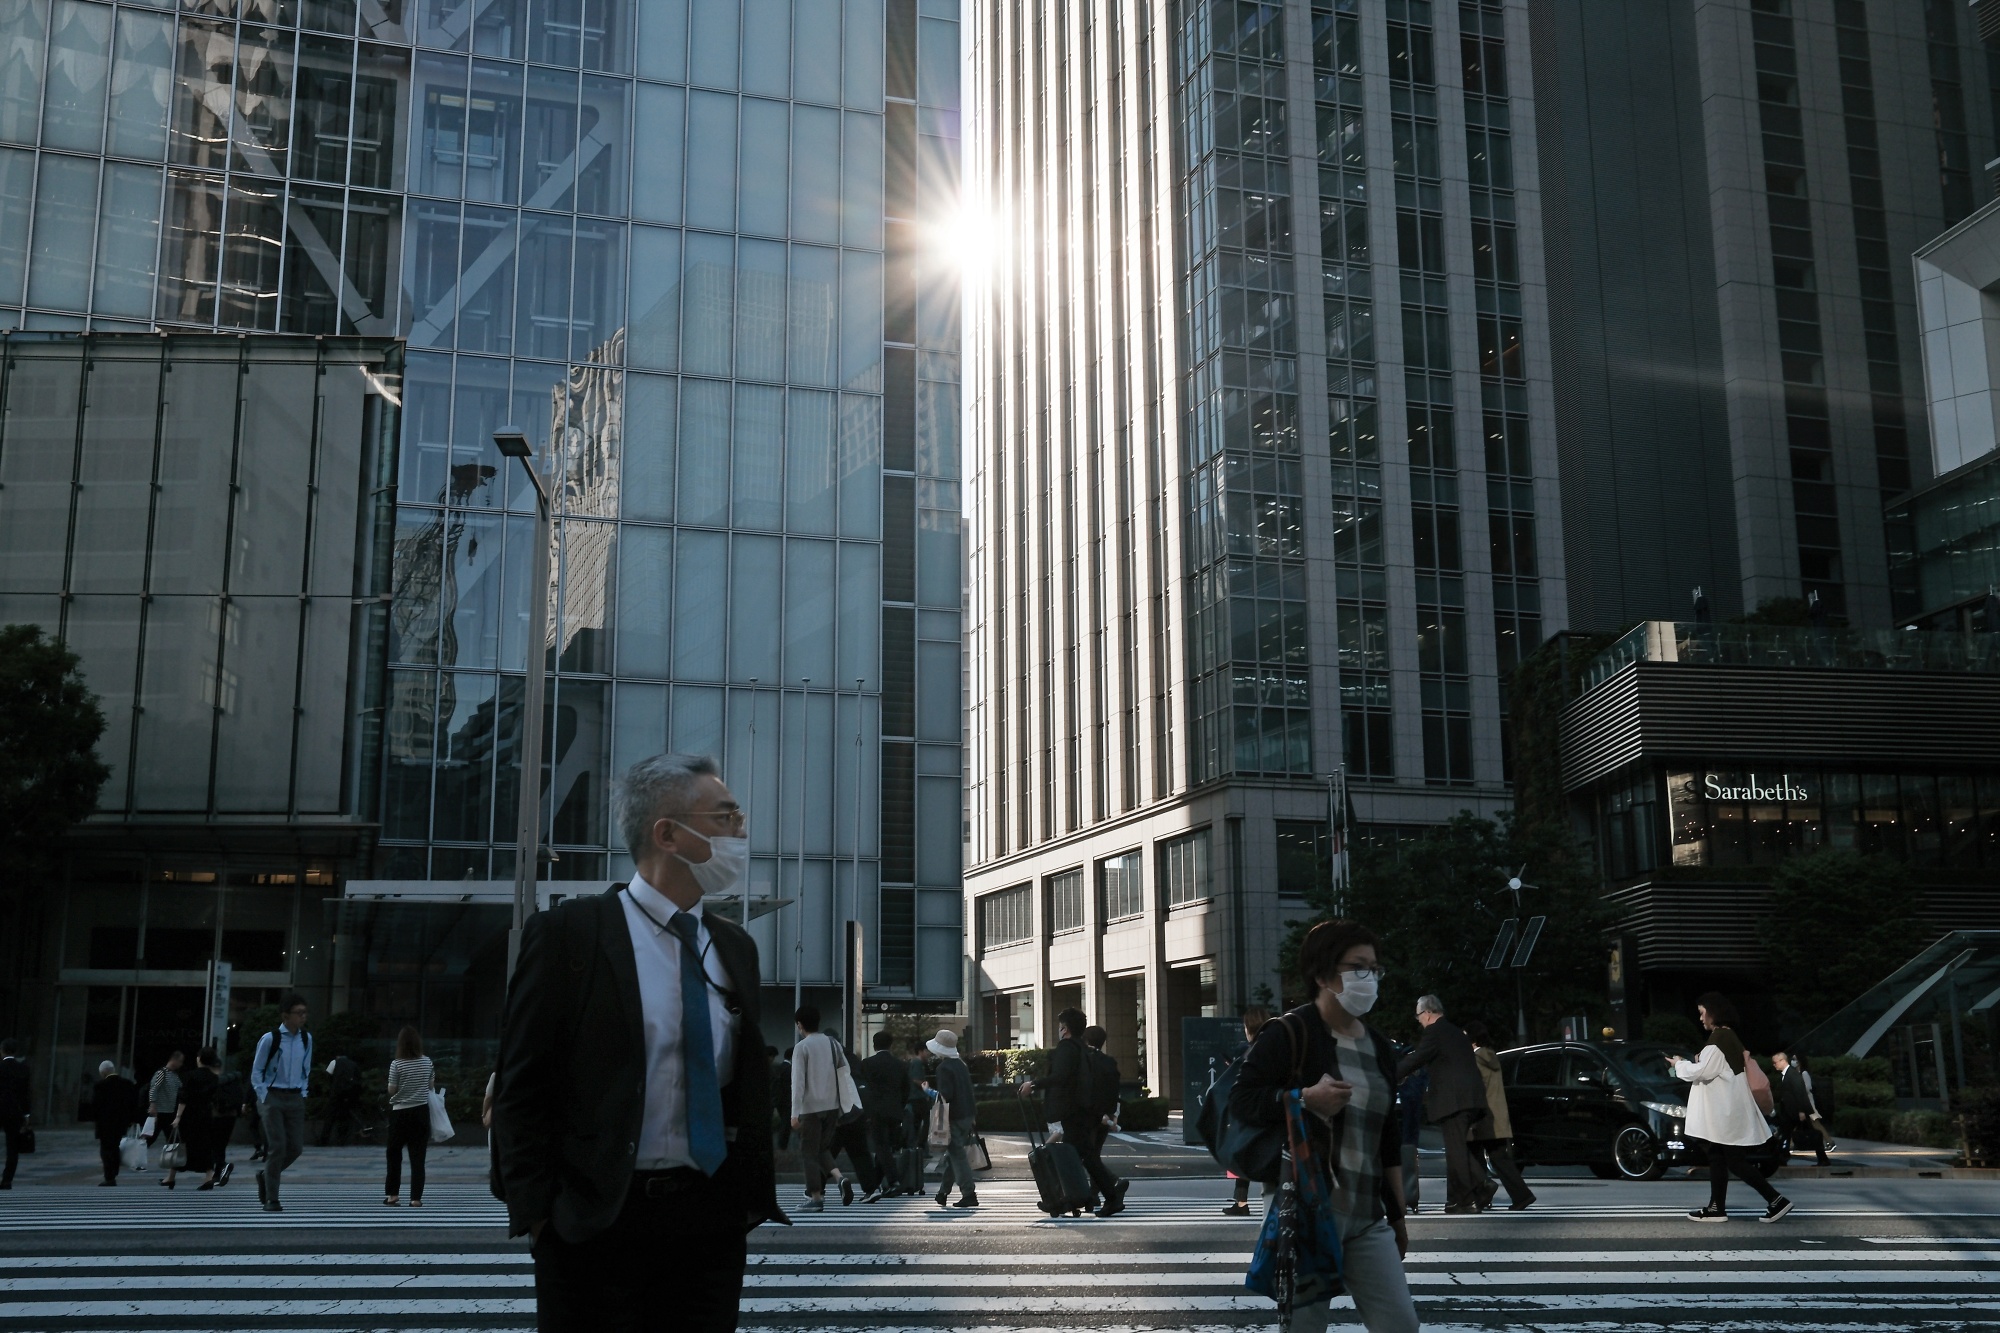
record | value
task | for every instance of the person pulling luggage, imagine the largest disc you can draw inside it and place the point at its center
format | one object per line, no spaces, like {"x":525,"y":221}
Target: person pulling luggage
{"x":1068,"y":1089}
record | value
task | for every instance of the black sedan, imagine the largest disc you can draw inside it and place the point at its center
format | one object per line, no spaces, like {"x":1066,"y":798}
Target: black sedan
{"x":1611,"y":1106}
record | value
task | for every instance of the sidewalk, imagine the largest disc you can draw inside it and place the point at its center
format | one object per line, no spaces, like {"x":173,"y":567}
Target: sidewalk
{"x":69,"y":1157}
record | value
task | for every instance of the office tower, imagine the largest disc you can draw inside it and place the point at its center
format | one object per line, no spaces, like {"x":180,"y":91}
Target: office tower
{"x":1735,"y":190}
{"x":1262,"y":469}
{"x":694,"y":250}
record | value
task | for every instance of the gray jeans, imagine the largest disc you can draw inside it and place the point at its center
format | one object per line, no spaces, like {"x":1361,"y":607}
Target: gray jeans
{"x":816,"y":1131}
{"x":957,"y":1166}
{"x":1373,"y":1275}
{"x":284,"y":1118}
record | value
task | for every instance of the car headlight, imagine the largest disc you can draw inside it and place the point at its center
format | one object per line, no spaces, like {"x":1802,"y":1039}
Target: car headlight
{"x":1668,"y":1109}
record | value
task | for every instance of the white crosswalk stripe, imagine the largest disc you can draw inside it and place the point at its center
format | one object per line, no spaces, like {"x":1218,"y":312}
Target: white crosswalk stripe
{"x":1854,"y":1287}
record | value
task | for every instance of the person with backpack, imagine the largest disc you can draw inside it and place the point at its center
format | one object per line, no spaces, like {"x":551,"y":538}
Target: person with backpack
{"x":1254,"y":1018}
{"x":885,"y":1095}
{"x":1343,"y":1072}
{"x":1069,"y":1089}
{"x":1723,"y":1113}
{"x":1105,"y":1080}
{"x":279,"y":1073}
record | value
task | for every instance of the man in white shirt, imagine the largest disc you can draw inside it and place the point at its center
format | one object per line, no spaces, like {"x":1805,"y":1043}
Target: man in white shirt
{"x":632,"y":1112}
{"x":816,"y":1108}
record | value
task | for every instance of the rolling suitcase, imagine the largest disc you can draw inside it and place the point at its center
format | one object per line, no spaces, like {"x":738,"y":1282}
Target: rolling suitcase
{"x":1060,"y":1179}
{"x":910,"y":1170}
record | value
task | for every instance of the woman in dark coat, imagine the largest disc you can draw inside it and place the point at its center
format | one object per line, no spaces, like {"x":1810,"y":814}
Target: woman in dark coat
{"x":196,"y":1122}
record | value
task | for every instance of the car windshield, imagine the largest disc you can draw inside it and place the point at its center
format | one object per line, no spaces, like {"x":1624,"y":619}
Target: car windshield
{"x":1647,"y":1066}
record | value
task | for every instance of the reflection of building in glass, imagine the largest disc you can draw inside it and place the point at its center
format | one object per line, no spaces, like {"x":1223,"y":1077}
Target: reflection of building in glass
{"x":677,"y":250}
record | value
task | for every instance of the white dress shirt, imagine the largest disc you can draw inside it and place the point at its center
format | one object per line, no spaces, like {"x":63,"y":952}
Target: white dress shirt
{"x":656,"y":950}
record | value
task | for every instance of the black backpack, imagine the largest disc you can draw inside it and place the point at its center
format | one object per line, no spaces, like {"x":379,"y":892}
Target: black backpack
{"x":1104,"y":1081}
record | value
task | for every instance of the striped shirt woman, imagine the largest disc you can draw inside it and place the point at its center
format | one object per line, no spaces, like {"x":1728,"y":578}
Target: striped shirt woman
{"x":410,"y":1078}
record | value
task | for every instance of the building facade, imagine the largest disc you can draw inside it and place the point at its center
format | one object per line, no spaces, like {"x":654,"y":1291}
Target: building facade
{"x":1262,"y":476}
{"x":702,"y":254}
{"x":1734,"y":188}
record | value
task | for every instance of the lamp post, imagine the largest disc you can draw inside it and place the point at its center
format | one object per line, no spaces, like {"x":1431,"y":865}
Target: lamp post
{"x":513,"y":443}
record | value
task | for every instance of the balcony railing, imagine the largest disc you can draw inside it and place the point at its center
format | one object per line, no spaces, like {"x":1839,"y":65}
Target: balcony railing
{"x":1790,"y":646}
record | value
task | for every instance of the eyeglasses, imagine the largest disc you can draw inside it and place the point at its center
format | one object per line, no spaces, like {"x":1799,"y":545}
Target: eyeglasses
{"x":1376,"y":972}
{"x":731,"y":817}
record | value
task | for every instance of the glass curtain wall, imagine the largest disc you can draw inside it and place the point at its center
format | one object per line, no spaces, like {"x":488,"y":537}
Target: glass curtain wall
{"x":699,"y":250}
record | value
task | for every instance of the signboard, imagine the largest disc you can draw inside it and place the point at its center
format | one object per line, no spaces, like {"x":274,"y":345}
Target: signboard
{"x":947,"y":1008}
{"x":215,"y":1018}
{"x":1207,"y":1044}
{"x":1763,"y":788}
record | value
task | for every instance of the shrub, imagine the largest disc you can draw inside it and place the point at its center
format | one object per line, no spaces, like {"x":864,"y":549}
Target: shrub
{"x":1008,"y":1114}
{"x":1140,"y":1114}
{"x":1924,"y":1129}
{"x":1846,"y":1082}
{"x":1022,"y":1062}
{"x":1979,"y":1119}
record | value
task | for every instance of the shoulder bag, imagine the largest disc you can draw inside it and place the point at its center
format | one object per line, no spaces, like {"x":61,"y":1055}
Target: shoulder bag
{"x":1254,"y":1152}
{"x":843,"y":1086}
{"x":174,"y":1156}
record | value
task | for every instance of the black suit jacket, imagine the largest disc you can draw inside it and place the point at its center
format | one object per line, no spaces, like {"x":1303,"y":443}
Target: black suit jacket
{"x":14,"y":1097}
{"x":1456,"y":1085}
{"x":1066,"y":1087}
{"x":114,"y":1105}
{"x":571,"y":1095}
{"x":885,"y":1086}
{"x":1793,"y":1098}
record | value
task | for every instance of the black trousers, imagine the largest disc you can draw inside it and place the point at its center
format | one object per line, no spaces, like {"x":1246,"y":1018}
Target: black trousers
{"x":1085,"y":1133}
{"x":1462,"y":1178}
{"x":1726,"y":1157}
{"x":107,"y":1153}
{"x":1804,"y":1136}
{"x":13,"y":1156}
{"x":667,"y":1265}
{"x":885,"y":1137}
{"x":1501,"y":1160}
{"x":408,"y":1128}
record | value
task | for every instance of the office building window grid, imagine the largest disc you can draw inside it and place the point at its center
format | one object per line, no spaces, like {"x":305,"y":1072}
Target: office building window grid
{"x":1184,"y":869}
{"x":1006,"y":917}
{"x":1121,"y":887}
{"x":1443,"y":668}
{"x":1496,"y":279}
{"x":1954,"y":149}
{"x":1249,"y":701}
{"x":1066,"y":902}
{"x":1793,"y":275}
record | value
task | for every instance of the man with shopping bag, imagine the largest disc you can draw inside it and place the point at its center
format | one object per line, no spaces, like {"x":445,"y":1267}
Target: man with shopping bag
{"x":114,"y":1109}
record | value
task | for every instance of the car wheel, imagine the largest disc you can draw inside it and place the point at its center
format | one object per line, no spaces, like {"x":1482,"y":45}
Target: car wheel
{"x":1637,"y":1154}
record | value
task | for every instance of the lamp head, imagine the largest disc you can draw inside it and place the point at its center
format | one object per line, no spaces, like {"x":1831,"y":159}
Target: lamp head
{"x":513,"y":442}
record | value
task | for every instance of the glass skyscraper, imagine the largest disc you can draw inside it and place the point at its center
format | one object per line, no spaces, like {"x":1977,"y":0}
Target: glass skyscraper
{"x":699,"y":249}
{"x":1263,"y":470}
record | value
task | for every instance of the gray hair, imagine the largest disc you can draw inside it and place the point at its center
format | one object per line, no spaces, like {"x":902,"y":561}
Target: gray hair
{"x":105,"y":1067}
{"x":1430,"y":1004}
{"x":652,"y":787}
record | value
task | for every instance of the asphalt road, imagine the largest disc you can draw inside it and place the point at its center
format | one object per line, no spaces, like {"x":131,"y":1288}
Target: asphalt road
{"x":1858,"y":1255}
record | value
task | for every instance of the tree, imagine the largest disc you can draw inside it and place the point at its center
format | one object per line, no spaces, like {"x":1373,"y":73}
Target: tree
{"x":49,"y":725}
{"x":1437,"y":903}
{"x":1840,"y":922}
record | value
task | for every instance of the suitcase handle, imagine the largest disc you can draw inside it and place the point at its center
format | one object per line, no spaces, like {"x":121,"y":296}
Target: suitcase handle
{"x":1034,"y":1134}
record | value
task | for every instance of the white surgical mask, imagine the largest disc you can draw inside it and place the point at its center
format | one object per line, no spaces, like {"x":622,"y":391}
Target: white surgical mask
{"x":1357,"y":992}
{"x":728,"y":861}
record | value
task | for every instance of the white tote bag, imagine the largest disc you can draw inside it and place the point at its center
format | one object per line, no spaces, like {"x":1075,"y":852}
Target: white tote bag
{"x":132,"y":1151}
{"x":440,"y":1122}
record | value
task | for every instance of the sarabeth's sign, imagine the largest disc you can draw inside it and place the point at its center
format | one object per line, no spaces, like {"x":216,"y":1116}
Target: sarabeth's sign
{"x":1753,"y":787}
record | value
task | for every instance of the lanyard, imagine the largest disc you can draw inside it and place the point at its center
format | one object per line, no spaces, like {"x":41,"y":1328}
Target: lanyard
{"x":728,"y":996}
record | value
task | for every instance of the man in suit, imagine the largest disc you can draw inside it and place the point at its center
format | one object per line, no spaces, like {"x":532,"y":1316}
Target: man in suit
{"x":633,"y":1108}
{"x":114,"y":1108}
{"x":13,"y":1104}
{"x":1455,"y":1099}
{"x":1071,"y":1101}
{"x":885,"y":1096}
{"x":1796,"y":1111}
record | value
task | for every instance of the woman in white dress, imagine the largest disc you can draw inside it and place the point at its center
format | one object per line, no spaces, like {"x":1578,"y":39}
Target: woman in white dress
{"x":1723,"y":1113}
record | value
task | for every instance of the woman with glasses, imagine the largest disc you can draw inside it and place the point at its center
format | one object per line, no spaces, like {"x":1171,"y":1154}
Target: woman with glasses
{"x":1345,"y":1072}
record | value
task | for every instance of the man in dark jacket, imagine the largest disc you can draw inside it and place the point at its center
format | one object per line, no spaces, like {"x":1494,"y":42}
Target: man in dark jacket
{"x":1796,"y":1112}
{"x":633,"y":1107}
{"x":885,"y":1097}
{"x":1071,"y":1097}
{"x":1456,"y":1097}
{"x":14,"y":1100}
{"x":114,"y":1108}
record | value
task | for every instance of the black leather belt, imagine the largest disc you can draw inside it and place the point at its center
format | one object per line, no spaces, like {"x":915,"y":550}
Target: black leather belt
{"x":660,"y":1184}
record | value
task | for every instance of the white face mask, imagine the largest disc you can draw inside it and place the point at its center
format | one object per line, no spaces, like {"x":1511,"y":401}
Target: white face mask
{"x":1357,"y":992}
{"x":728,"y":861}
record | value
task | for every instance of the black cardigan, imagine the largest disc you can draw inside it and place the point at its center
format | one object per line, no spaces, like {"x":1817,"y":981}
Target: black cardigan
{"x":1267,"y":1071}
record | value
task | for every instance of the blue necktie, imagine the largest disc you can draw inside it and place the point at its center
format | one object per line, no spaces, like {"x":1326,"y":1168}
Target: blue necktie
{"x":706,"y":1143}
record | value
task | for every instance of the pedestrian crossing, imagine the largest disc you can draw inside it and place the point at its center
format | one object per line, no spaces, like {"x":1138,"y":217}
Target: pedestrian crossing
{"x":460,"y":1205}
{"x":1853,"y":1286}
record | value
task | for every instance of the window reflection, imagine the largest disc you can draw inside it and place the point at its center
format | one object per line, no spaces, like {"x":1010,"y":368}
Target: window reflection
{"x":264,"y":74}
{"x":325,"y":93}
{"x":493,"y":133}
{"x":202,"y":93}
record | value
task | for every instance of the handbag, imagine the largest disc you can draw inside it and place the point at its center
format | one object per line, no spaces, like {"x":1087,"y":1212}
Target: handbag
{"x":174,"y":1156}
{"x":440,"y":1122}
{"x":843,"y":1087}
{"x":939,"y":1135}
{"x":1760,"y":1085}
{"x":1298,"y":1258}
{"x":977,"y":1156}
{"x":132,"y":1150}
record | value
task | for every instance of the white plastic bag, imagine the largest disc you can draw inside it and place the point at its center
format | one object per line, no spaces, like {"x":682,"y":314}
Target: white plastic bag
{"x":440,"y":1122}
{"x":132,"y":1151}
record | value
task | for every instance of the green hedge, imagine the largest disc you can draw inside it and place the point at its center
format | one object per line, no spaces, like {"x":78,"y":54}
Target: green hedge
{"x":1143,"y":1113}
{"x":1925,"y":1129}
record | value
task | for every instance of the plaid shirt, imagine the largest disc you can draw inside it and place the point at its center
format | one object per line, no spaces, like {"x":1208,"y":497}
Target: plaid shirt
{"x":1355,"y":1153}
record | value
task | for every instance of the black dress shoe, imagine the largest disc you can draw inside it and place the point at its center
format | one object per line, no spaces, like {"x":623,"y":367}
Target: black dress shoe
{"x":944,"y":1192}
{"x":967,"y":1201}
{"x":1461,"y":1209}
{"x":1520,"y":1205}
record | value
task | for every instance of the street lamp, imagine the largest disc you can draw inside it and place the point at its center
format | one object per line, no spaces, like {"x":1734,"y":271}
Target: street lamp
{"x":512,"y":442}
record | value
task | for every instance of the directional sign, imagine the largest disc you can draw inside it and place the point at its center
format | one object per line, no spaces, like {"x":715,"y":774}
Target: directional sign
{"x":1496,"y":957}
{"x":1529,"y":936}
